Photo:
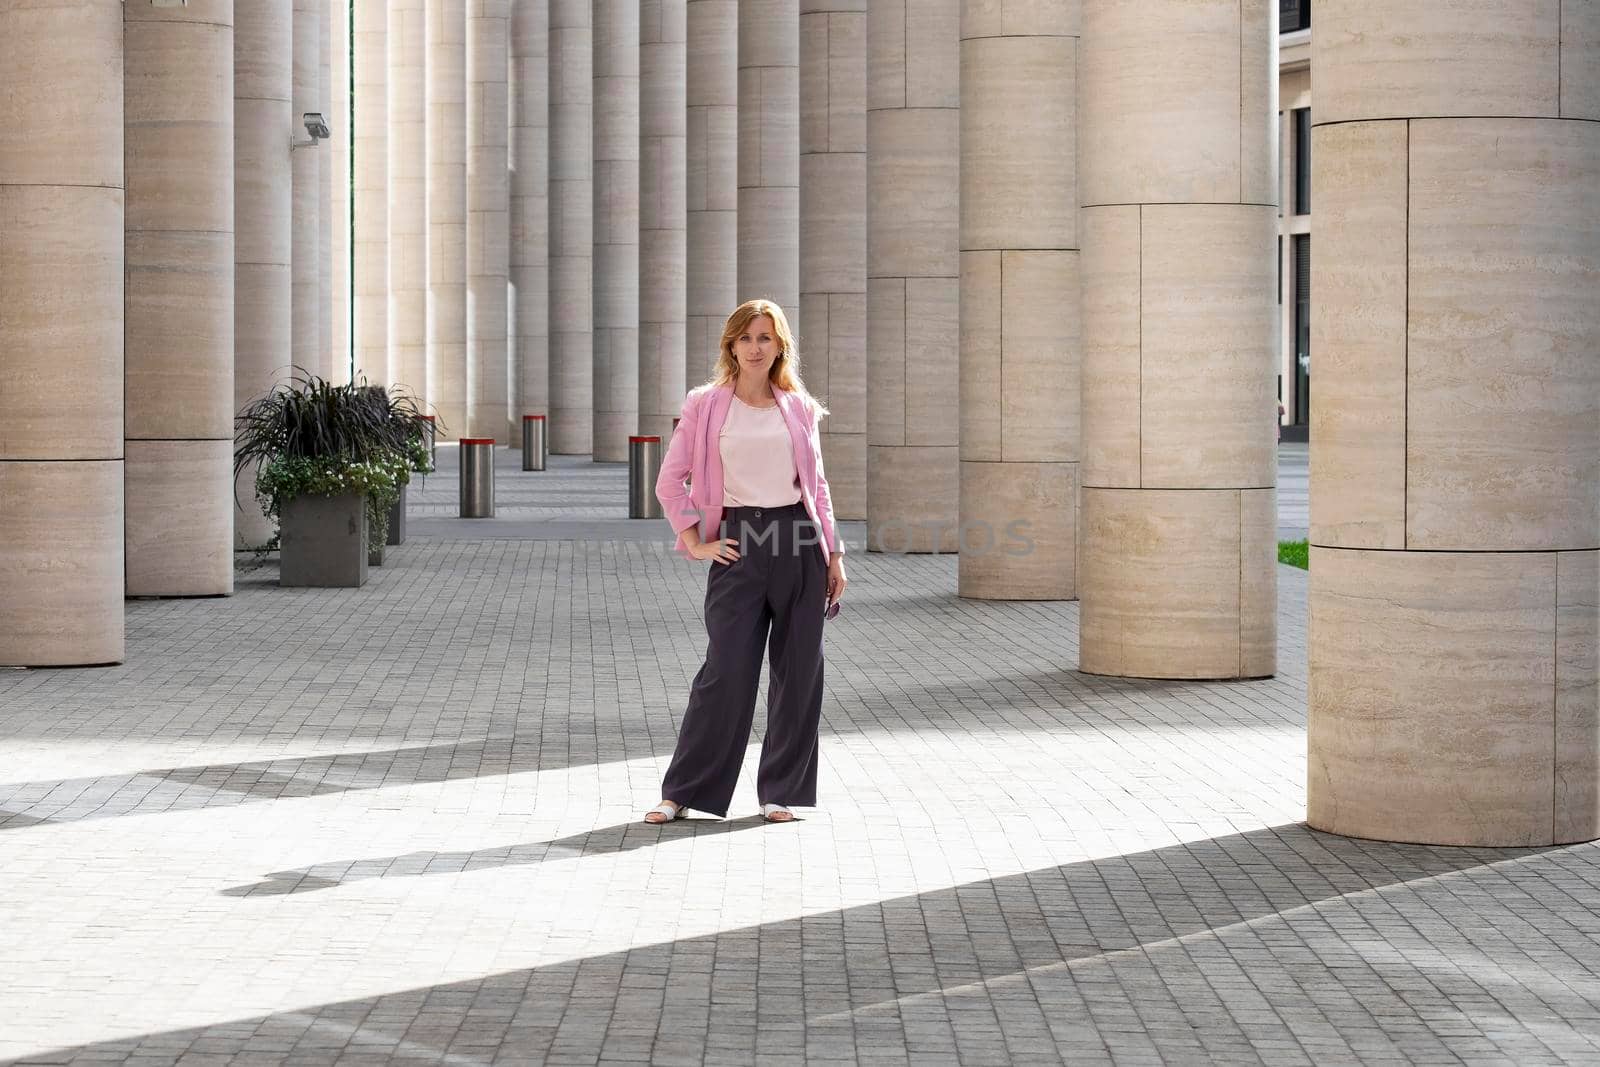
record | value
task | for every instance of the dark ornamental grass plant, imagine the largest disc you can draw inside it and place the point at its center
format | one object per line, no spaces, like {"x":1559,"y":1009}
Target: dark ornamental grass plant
{"x":308,"y":436}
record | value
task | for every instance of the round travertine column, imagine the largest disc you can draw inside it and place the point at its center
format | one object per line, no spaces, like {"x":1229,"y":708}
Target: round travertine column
{"x":616,"y":227}
{"x":178,"y":336}
{"x":1019,"y":257}
{"x":1177,"y":566}
{"x":336,"y":227}
{"x":371,"y":208}
{"x":488,"y":218}
{"x":529,"y":327}
{"x":913,"y":268}
{"x":264,"y":124}
{"x":1455,"y":521}
{"x":306,"y":218}
{"x":408,"y":197}
{"x":769,"y":153}
{"x":571,"y":228}
{"x":663,"y":234}
{"x":447,"y":214}
{"x":833,"y":237}
{"x":61,"y":324}
{"x":711,"y":179}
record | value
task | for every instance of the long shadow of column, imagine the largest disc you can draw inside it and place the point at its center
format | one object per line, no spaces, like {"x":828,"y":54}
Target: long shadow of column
{"x":1279,"y":945}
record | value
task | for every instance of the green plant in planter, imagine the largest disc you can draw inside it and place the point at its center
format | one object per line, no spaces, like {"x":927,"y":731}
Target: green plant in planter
{"x":308,"y":436}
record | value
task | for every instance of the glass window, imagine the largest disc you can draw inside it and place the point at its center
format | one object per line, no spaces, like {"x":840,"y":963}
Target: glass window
{"x":1301,"y":247}
{"x":1294,"y":15}
{"x":1302,"y":161}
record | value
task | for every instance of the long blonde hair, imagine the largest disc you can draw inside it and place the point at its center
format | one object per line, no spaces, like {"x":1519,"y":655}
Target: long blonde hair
{"x":785,"y":373}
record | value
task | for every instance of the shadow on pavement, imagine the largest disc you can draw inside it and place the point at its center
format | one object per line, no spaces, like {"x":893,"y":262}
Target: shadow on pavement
{"x":1281,"y":944}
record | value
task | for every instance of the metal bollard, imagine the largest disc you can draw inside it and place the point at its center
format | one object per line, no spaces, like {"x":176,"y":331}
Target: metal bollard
{"x":477,"y":477}
{"x":644,"y":465}
{"x":433,"y":440}
{"x":535,"y":449}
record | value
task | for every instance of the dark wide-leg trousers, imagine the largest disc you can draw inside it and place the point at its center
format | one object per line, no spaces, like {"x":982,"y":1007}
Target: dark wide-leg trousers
{"x":772,"y":597}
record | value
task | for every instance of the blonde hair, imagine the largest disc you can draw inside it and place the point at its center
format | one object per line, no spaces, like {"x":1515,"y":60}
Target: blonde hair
{"x":785,"y":373}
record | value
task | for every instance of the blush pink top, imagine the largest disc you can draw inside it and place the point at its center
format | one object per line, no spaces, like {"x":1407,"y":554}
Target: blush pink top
{"x":758,"y":468}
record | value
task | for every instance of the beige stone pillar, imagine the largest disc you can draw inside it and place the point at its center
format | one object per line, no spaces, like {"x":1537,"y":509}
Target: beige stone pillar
{"x":178,"y":334}
{"x":61,"y":325}
{"x":370,"y":212}
{"x":408,"y":197}
{"x":769,"y":153}
{"x":264,"y":126}
{"x":488,"y":219}
{"x":1455,"y":522}
{"x":663,"y":235}
{"x":529,"y":329}
{"x":306,"y":217}
{"x":833,"y":237}
{"x":1019,"y":297}
{"x":711,"y":180}
{"x":571,"y":227}
{"x":447,"y":215}
{"x":913,"y":269}
{"x":1177,"y":565}
{"x":616,"y":227}
{"x":336,"y":224}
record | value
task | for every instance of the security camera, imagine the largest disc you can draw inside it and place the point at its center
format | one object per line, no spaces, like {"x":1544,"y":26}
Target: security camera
{"x":316,"y":126}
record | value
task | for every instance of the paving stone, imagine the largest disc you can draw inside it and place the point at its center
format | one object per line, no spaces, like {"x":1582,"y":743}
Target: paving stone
{"x":399,"y":825}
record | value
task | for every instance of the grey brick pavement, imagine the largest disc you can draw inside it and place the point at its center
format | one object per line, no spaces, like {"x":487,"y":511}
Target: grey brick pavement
{"x":399,"y":824}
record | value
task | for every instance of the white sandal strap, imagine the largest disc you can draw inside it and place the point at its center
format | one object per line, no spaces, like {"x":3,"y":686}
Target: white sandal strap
{"x":769,"y":809}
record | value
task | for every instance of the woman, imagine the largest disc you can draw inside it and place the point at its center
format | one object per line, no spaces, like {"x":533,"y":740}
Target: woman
{"x":749,"y":447}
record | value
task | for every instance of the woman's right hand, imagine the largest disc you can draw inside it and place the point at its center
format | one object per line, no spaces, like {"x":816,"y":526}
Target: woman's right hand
{"x":724,"y":551}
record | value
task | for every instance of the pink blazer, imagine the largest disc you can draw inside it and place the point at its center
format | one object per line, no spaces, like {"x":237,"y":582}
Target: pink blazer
{"x":695,"y":454}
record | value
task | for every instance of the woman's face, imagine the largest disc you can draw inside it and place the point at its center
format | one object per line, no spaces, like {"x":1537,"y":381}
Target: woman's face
{"x":756,"y":347}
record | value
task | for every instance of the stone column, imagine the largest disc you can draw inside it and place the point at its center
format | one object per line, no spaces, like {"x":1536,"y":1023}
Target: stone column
{"x":833,"y":237}
{"x":371,"y":209}
{"x":488,"y":219}
{"x":616,"y":227}
{"x":264,"y":125}
{"x":336,"y":225}
{"x":529,"y":327}
{"x":663,"y":238}
{"x":1455,"y":521}
{"x":769,"y":154}
{"x":1177,"y":565}
{"x":306,"y":218}
{"x":711,"y":180}
{"x":913,"y":269}
{"x":178,"y":335}
{"x":447,"y":215}
{"x":408,"y":197}
{"x":1019,"y":302}
{"x":571,"y":228}
{"x":61,"y":327}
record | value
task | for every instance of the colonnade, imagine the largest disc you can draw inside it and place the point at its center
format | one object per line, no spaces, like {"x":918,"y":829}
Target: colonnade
{"x":1027,"y":248}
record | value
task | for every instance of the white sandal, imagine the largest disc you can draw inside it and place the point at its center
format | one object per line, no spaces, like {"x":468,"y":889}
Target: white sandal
{"x":668,"y":810}
{"x":769,"y":810}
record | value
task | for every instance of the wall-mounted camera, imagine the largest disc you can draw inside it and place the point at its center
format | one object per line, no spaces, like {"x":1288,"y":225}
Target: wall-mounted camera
{"x":316,"y":127}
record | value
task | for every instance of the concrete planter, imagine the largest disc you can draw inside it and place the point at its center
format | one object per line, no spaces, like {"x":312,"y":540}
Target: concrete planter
{"x":397,"y":519}
{"x":323,"y":542}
